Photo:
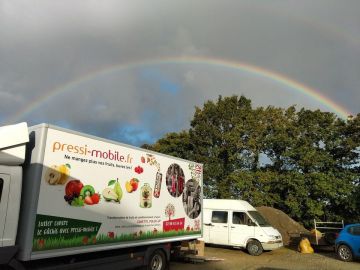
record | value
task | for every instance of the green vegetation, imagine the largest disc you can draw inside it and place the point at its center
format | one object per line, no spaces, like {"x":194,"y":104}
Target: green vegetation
{"x":306,"y":163}
{"x":58,"y":242}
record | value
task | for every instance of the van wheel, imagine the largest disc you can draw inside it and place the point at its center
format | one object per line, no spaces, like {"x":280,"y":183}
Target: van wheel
{"x":254,"y":248}
{"x":345,"y":253}
{"x":157,"y":261}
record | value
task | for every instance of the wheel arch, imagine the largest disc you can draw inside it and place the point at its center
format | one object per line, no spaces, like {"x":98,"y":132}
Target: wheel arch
{"x":252,"y":239}
{"x":343,"y":243}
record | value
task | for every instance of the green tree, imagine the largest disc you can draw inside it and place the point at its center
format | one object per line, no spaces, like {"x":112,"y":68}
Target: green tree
{"x":306,"y":163}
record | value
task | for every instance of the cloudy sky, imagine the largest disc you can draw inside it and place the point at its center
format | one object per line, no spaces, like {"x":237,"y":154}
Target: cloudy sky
{"x":135,"y":70}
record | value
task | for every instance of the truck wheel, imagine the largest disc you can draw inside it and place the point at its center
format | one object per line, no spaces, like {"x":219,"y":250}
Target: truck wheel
{"x":254,"y":248}
{"x":345,"y":253}
{"x":157,"y":261}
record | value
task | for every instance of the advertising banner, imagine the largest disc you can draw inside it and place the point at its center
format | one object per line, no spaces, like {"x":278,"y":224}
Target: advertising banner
{"x":95,"y":192}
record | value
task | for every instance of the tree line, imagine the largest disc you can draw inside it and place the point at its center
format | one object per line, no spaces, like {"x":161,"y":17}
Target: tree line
{"x":303,"y":162}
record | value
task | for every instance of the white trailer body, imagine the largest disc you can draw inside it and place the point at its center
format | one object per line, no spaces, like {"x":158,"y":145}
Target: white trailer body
{"x":81,"y":194}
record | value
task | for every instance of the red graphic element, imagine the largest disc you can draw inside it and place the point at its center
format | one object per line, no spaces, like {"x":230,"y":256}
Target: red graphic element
{"x":198,"y":168}
{"x":174,"y":225}
{"x":111,"y":235}
{"x":134,"y":183}
{"x":73,"y":188}
{"x":95,"y":198}
{"x":143,"y":159}
{"x":139,"y":169}
{"x":88,"y":200}
{"x":41,"y":243}
{"x":170,"y":210}
{"x":85,"y":240}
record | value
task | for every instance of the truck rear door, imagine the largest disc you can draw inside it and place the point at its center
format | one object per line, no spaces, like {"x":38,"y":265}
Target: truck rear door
{"x":4,"y":198}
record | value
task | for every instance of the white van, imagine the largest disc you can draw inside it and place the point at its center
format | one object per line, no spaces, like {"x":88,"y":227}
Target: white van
{"x":236,"y":223}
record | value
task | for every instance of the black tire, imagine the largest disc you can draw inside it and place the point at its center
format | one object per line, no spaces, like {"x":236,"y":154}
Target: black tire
{"x":157,"y":261}
{"x":254,"y":247}
{"x":345,"y":253}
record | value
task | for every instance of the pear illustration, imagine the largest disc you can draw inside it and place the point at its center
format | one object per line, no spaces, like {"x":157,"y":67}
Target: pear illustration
{"x":109,"y":194}
{"x":118,"y":190}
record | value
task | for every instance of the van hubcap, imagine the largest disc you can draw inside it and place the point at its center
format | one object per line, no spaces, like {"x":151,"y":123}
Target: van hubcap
{"x":254,"y":248}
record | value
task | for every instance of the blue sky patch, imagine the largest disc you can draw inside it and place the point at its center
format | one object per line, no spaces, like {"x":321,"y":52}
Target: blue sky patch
{"x":156,"y":76}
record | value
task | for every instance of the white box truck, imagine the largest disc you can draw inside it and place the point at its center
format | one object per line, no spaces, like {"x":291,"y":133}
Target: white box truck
{"x":73,"y":201}
{"x":236,"y":223}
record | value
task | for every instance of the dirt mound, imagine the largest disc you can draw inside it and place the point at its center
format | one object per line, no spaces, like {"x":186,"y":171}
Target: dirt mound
{"x":289,"y":228}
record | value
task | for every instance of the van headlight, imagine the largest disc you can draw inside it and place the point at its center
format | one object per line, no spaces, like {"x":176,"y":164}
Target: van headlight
{"x":274,"y":239}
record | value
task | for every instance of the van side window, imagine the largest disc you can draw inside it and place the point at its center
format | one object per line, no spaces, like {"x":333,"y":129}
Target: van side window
{"x":240,"y":218}
{"x":219,"y":217}
{"x":1,"y":187}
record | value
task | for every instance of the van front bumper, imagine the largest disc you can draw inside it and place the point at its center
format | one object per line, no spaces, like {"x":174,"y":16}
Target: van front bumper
{"x":272,"y":245}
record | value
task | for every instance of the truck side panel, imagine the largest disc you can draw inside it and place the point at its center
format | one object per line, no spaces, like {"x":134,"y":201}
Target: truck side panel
{"x":84,"y":194}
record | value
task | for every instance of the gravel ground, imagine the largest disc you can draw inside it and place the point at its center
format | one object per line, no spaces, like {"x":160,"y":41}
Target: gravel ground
{"x":281,"y":259}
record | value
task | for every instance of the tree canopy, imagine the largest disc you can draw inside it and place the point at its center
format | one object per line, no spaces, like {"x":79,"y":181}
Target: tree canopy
{"x":306,"y":163}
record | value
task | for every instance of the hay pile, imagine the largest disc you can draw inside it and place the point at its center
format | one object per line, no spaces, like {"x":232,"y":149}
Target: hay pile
{"x":289,"y":228}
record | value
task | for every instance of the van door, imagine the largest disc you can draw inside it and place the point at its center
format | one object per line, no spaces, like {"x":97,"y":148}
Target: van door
{"x":4,"y":197}
{"x":219,"y":228}
{"x":241,"y":228}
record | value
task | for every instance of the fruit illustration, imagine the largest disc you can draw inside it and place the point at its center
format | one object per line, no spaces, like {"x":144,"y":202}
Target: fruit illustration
{"x":57,"y":175}
{"x":76,"y":201}
{"x":109,"y":194}
{"x":139,"y":169}
{"x":76,"y":194}
{"x":113,"y":194}
{"x":95,"y":198}
{"x":132,"y":185}
{"x":118,"y":190}
{"x":91,"y":199}
{"x":52,"y":175}
{"x":128,"y":187}
{"x":64,"y":169}
{"x":87,"y":191}
{"x":88,"y":200}
{"x":73,"y":188}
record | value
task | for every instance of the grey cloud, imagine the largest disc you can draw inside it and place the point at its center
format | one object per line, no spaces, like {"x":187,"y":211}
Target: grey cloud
{"x":47,"y":44}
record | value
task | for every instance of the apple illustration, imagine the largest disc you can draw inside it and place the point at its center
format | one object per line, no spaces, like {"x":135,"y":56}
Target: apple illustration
{"x":73,"y":187}
{"x":134,"y":182}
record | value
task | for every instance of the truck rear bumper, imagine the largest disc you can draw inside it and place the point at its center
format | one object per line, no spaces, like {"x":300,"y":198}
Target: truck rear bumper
{"x":7,"y":253}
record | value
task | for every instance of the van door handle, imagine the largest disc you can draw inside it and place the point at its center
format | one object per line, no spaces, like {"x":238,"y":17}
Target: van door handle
{"x":225,"y":226}
{"x":208,"y":224}
{"x":232,"y":227}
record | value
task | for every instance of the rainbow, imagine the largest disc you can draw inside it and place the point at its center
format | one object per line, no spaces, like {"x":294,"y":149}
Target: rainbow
{"x":239,"y":66}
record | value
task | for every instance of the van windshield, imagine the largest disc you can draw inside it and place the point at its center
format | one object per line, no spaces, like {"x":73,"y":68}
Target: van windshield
{"x":259,"y":218}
